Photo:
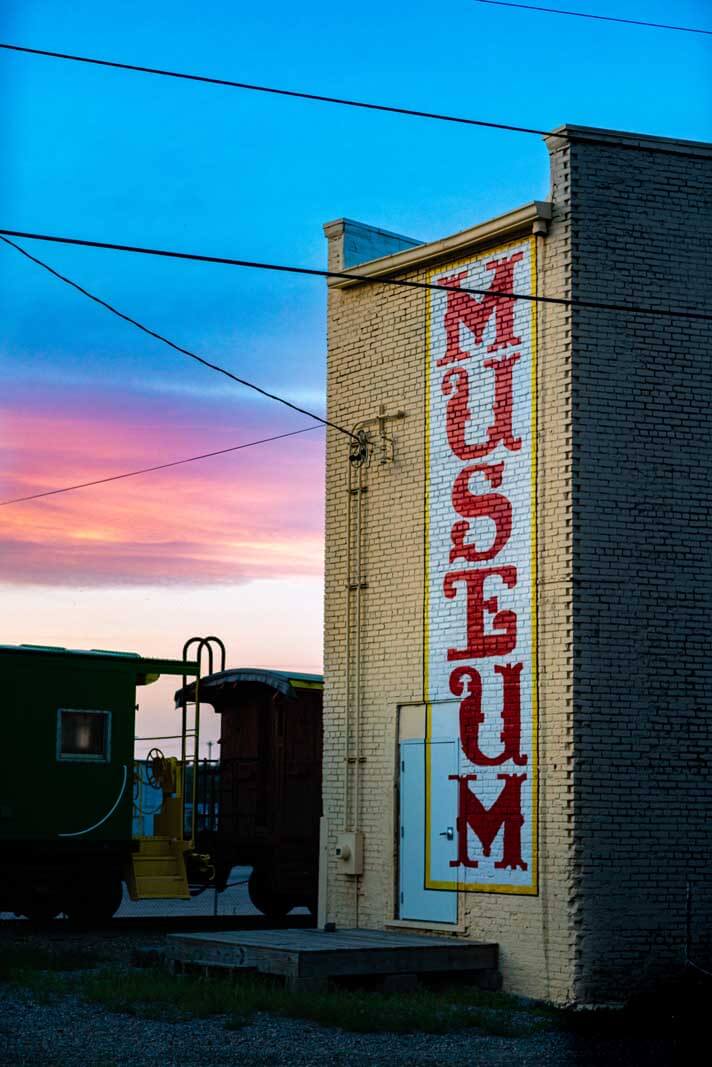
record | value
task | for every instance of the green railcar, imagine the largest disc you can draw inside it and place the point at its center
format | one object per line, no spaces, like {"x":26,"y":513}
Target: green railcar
{"x":67,"y":780}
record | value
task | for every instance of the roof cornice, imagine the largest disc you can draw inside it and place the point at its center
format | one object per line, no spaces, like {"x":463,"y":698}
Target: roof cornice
{"x":519,"y":221}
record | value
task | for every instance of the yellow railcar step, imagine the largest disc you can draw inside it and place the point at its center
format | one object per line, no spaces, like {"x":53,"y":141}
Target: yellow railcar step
{"x":158,"y":870}
{"x":161,"y":887}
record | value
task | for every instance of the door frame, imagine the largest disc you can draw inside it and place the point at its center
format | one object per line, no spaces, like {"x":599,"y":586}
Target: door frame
{"x":455,"y":925}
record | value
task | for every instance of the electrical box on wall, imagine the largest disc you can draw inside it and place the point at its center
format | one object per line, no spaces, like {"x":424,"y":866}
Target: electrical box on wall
{"x":349,"y":852}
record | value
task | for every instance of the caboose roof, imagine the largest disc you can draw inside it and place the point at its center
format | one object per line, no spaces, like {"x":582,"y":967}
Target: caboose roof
{"x":285,"y":682}
{"x":148,"y":669}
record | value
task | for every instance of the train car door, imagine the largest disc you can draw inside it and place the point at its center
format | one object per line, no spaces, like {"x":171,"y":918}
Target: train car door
{"x":417,"y":902}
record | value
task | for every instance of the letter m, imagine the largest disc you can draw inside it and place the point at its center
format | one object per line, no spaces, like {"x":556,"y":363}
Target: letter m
{"x":486,"y":823}
{"x":464,"y":310}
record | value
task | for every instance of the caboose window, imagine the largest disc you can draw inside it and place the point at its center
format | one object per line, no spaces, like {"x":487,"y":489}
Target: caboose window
{"x":83,"y":735}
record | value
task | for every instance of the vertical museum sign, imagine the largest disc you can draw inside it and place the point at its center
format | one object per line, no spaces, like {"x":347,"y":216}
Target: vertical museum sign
{"x":480,"y":615}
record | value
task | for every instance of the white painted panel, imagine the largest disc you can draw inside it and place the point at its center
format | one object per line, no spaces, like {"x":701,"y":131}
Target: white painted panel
{"x":480,"y":579}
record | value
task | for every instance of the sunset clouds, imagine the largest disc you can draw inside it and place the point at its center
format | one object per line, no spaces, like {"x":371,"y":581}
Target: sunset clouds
{"x":251,"y":514}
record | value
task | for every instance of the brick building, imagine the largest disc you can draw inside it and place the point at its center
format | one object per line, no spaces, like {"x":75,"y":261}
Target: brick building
{"x":518,"y":733}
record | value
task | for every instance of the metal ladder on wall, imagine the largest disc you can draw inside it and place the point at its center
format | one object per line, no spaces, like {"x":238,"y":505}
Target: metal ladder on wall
{"x":158,"y":868}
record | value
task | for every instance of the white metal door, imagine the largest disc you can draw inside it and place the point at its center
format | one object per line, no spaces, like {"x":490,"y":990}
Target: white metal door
{"x":417,"y":902}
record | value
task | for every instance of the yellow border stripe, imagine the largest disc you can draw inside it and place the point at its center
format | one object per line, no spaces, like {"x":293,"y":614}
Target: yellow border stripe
{"x":426,"y":582}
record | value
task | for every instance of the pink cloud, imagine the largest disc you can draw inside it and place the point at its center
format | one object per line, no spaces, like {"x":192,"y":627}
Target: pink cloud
{"x":252,"y":514}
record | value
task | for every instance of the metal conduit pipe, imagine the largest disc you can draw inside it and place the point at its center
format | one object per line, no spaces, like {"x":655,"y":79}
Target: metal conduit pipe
{"x":347,"y":686}
{"x":357,"y":686}
{"x":359,"y":457}
{"x":353,"y":583}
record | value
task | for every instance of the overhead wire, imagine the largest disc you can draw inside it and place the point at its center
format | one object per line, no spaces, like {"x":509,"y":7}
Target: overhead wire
{"x":407,"y":283}
{"x":157,"y":467}
{"x":568,"y":135}
{"x":5,"y":235}
{"x":172,"y":344}
{"x":598,"y":18}
{"x":270,"y":89}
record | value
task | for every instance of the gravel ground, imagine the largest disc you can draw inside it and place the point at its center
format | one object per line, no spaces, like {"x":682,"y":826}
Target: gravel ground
{"x":68,"y":1031}
{"x":71,"y":1033}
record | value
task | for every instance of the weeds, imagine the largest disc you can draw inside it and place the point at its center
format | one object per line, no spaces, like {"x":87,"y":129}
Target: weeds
{"x":25,"y":959}
{"x":42,"y":972}
{"x":44,"y":986}
{"x":155,"y":994}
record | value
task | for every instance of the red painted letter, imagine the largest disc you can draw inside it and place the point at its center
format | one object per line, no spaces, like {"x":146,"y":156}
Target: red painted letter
{"x":480,"y":644}
{"x":486,"y":822}
{"x":472,"y":716}
{"x":492,"y":506}
{"x":457,"y":415}
{"x":463,"y":309}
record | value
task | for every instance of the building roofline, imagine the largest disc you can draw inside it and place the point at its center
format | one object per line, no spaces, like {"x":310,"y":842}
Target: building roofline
{"x":519,"y":221}
{"x":337,"y":226}
{"x":564,"y":135}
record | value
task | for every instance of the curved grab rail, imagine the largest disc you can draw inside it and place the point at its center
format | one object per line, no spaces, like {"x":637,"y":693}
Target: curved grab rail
{"x":79,"y":833}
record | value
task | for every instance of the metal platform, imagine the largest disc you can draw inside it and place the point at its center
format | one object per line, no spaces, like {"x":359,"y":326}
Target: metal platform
{"x":308,"y":958}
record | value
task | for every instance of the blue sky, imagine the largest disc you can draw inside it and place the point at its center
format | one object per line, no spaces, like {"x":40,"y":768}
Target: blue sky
{"x":145,"y":160}
{"x":115,"y":156}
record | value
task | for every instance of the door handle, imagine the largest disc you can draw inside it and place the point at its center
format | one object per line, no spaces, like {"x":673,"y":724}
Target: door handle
{"x":449,"y":833}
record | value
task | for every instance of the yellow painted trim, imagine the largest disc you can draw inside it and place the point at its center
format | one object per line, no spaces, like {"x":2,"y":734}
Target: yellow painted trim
{"x":484,"y":887}
{"x":426,"y":579}
{"x":534,"y":565}
{"x":297,"y":684}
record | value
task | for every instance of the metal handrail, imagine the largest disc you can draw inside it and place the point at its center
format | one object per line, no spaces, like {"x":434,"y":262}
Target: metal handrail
{"x":204,"y":649}
{"x":204,"y":644}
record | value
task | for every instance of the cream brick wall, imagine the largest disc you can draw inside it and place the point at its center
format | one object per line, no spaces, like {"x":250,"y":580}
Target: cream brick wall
{"x":377,"y":356}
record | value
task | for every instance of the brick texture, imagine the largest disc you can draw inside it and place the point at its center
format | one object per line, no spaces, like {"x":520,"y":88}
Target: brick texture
{"x":641,"y":225}
{"x":623,"y":572}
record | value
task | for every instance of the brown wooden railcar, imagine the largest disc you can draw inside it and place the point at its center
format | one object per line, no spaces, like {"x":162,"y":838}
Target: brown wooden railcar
{"x":263,"y":810}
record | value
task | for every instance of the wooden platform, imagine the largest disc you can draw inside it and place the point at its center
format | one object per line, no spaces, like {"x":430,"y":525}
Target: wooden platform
{"x":308,"y":958}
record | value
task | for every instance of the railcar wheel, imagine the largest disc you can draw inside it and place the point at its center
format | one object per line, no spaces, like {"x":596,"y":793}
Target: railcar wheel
{"x":95,"y":903}
{"x":272,"y":905}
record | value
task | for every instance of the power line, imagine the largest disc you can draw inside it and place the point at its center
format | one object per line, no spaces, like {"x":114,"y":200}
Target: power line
{"x":598,"y":18}
{"x":406,"y":283}
{"x":172,"y":344}
{"x":228,"y":83}
{"x":571,"y":136}
{"x":158,"y":467}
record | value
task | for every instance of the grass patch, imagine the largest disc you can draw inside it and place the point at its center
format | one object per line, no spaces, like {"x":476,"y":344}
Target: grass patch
{"x":44,"y":986}
{"x":44,"y":973}
{"x":26,"y":960}
{"x":154,"y":994}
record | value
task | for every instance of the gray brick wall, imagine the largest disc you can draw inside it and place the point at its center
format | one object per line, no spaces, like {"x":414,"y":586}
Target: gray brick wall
{"x":641,"y":232}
